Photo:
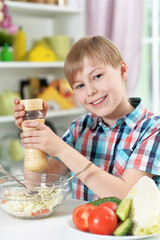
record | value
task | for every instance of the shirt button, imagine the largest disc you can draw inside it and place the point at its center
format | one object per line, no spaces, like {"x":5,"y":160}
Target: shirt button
{"x":102,"y":167}
{"x":95,"y":198}
{"x":100,"y":123}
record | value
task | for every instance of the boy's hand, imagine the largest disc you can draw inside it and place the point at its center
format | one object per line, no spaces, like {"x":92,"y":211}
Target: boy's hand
{"x":41,"y":137}
{"x":19,"y":112}
{"x":45,"y":109}
{"x":33,"y":179}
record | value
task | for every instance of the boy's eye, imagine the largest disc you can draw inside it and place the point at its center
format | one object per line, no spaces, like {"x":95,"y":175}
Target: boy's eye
{"x":98,"y":76}
{"x":79,"y":86}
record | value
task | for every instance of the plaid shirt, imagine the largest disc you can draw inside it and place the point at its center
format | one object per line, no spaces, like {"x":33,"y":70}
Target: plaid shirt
{"x":133,"y":142}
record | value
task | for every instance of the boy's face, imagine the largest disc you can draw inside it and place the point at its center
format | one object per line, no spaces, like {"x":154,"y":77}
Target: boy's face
{"x":101,"y":90}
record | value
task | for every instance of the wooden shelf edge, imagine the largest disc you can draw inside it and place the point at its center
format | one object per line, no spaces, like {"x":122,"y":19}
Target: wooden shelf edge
{"x":41,"y":7}
{"x":31,"y":65}
{"x":51,"y":114}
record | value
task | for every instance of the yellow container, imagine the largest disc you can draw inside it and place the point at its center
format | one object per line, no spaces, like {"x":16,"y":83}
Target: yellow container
{"x":41,"y":54}
{"x":19,"y":47}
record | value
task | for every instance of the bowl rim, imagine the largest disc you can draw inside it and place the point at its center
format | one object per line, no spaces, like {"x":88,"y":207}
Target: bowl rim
{"x":8,"y":185}
{"x":40,"y":174}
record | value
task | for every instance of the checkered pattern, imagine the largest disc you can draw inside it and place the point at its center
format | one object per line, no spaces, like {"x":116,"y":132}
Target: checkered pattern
{"x":133,"y":142}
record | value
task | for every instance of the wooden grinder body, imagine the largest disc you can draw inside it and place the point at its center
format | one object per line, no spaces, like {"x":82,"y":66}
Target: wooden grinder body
{"x":35,"y":160}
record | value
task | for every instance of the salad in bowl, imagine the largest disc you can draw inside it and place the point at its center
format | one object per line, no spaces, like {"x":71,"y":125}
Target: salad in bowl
{"x":42,"y":202}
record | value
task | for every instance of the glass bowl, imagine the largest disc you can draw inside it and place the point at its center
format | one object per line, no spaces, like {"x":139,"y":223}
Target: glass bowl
{"x":18,"y":202}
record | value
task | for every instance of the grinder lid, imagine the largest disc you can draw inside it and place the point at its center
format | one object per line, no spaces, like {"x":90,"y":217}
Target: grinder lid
{"x":32,"y":104}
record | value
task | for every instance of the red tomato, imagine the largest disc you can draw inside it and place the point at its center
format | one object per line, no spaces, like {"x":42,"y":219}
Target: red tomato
{"x":111,"y":205}
{"x":102,"y":220}
{"x":42,"y":211}
{"x":80,"y":216}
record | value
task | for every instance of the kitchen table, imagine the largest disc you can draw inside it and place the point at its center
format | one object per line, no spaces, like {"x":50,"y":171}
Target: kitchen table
{"x":51,"y":228}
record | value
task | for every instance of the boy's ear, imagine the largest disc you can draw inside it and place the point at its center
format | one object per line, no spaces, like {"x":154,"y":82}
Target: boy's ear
{"x":124,"y":70}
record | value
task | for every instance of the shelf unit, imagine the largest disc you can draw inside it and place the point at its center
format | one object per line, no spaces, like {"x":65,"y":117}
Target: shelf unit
{"x":20,"y":65}
{"x":50,"y":114}
{"x":42,"y":20}
{"x":42,"y":9}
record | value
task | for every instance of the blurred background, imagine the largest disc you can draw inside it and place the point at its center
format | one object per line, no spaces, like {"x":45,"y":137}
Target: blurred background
{"x":35,"y":37}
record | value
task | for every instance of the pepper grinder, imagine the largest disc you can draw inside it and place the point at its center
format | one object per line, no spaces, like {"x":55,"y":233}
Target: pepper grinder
{"x":35,"y":160}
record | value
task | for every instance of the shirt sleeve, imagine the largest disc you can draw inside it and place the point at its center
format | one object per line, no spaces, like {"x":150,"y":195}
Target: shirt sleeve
{"x":146,"y":155}
{"x":69,"y":135}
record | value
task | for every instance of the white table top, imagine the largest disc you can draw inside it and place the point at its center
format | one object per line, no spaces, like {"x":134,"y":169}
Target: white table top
{"x":51,"y":228}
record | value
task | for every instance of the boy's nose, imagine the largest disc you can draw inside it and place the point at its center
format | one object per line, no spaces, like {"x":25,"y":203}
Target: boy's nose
{"x":91,"y":90}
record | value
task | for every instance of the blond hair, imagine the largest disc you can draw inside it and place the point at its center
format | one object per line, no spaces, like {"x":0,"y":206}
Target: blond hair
{"x":99,"y":50}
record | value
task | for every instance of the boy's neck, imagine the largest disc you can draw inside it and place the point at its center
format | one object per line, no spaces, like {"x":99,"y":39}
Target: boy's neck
{"x":120,"y":112}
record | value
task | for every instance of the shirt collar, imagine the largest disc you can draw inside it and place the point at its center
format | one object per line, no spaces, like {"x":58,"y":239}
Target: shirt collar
{"x":136,"y":115}
{"x":131,"y":119}
{"x":93,"y":120}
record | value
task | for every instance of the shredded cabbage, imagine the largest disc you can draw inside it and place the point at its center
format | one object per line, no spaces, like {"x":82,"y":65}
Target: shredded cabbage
{"x":22,"y":204}
{"x":145,"y":207}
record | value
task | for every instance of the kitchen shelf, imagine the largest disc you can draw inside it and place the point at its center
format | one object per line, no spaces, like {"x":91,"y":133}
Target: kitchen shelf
{"x":50,"y":114}
{"x":31,"y":65}
{"x":39,"y":21}
{"x":41,"y":9}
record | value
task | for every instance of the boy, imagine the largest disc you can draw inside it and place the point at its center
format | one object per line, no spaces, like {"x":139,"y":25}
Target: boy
{"x":120,"y":136}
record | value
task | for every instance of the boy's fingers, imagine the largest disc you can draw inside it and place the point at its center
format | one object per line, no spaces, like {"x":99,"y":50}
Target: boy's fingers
{"x":45,"y":106}
{"x":34,"y":124}
{"x":27,"y":134}
{"x":16,"y":101}
{"x":20,"y":114}
{"x":19,"y":121}
{"x":18,"y":107}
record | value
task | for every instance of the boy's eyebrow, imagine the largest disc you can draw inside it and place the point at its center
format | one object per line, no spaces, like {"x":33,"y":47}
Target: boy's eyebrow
{"x":76,"y":81}
{"x":92,"y":71}
{"x":89,"y":74}
{"x":98,"y":68}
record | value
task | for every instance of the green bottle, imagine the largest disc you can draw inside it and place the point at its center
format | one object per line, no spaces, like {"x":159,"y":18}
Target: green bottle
{"x":6,"y":54}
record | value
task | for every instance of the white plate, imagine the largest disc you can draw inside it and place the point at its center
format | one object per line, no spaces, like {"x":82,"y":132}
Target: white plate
{"x":71,"y":226}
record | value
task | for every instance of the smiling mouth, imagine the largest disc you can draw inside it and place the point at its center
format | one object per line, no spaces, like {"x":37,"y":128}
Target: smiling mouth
{"x":98,"y":101}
